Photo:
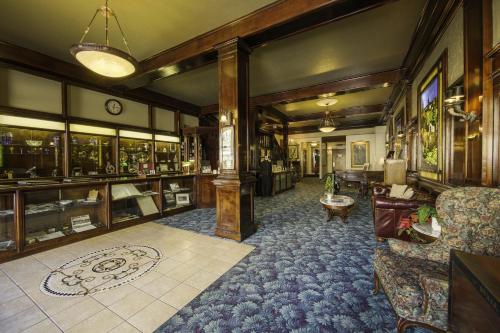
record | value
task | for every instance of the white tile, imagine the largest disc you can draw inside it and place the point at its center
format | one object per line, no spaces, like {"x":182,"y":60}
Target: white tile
{"x":50,"y":304}
{"x":202,"y":279}
{"x":22,"y":320}
{"x":131,"y":304}
{"x":152,"y":316}
{"x":182,"y":272}
{"x":8,"y":289}
{"x":114,"y":295}
{"x":180,"y":296}
{"x":15,"y":306}
{"x":46,"y":326}
{"x":167,"y":265}
{"x":125,"y":327}
{"x":160,"y":286}
{"x":77,"y":313}
{"x":146,"y":279}
{"x":103,"y":321}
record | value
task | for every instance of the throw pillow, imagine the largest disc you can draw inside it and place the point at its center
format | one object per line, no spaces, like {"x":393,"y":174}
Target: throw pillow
{"x":409,"y":193}
{"x":397,"y":191}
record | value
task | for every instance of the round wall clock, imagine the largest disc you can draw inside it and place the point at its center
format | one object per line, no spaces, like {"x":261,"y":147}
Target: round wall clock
{"x":113,"y":107}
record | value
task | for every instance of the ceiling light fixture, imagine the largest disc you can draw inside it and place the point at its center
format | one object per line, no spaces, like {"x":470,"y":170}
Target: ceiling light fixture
{"x":327,"y":124}
{"x":104,"y":59}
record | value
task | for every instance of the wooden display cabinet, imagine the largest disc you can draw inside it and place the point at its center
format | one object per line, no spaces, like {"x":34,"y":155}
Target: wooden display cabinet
{"x":176,"y":189}
{"x":8,"y":244}
{"x":92,"y":155}
{"x":135,"y":155}
{"x":167,"y":157}
{"x":135,"y":200}
{"x":60,"y":213}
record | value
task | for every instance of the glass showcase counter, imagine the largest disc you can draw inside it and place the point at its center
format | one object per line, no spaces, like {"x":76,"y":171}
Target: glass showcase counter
{"x":7,"y":225}
{"x":135,"y":199}
{"x":178,"y":193}
{"x":92,"y":154}
{"x":57,"y":212}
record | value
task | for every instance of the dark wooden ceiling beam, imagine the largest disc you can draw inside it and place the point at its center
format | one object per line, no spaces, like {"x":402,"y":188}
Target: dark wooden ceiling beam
{"x":278,"y":20}
{"x":270,"y":112}
{"x":314,"y":128}
{"x":36,"y":63}
{"x":346,"y":85}
{"x":343,"y":113}
{"x":374,"y":80}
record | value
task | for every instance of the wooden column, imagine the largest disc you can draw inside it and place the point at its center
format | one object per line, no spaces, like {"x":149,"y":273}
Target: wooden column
{"x":235,"y":184}
{"x":285,"y":143}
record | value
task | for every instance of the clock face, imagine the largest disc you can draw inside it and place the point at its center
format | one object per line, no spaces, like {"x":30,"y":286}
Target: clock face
{"x":113,"y":107}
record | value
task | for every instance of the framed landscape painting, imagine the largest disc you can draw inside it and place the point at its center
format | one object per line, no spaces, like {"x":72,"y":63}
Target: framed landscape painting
{"x":360,"y":154}
{"x":430,"y":113}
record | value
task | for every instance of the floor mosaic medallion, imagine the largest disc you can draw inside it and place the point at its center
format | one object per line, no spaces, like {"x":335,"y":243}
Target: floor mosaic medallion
{"x":101,"y":270}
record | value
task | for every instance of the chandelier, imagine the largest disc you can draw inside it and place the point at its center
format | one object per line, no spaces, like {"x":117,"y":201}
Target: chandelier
{"x":327,"y":124}
{"x":104,"y":59}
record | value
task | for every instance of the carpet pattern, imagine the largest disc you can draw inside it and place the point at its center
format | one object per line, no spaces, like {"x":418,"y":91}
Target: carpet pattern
{"x":101,"y":270}
{"x":305,"y":275}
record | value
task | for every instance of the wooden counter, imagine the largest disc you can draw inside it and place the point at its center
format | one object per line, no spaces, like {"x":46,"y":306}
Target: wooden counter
{"x":282,"y":181}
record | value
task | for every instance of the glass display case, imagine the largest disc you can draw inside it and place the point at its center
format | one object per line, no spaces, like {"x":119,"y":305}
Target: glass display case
{"x":189,"y":155}
{"x":136,"y":152}
{"x":133,"y":200}
{"x":167,"y":154}
{"x":31,"y":152}
{"x":178,"y":192}
{"x":93,"y":150}
{"x":7,"y":226}
{"x":55,"y":212}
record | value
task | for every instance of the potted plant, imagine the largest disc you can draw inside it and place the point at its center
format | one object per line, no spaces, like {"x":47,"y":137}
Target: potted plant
{"x":328,"y":187}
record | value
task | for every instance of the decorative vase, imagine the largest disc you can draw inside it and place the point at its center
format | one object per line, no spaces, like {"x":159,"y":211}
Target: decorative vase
{"x":328,"y":196}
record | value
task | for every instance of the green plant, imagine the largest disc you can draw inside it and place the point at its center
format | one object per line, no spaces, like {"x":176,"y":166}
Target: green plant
{"x":425,"y":212}
{"x":329,"y":184}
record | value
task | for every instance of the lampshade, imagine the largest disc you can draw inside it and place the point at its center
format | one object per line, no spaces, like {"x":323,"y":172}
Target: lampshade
{"x":104,"y":60}
{"x":327,"y":125}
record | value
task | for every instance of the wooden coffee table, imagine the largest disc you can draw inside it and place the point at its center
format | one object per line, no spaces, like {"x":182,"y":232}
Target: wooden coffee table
{"x":340,"y":205}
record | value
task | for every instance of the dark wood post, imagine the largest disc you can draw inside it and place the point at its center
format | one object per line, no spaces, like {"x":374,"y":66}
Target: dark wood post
{"x":285,"y":143}
{"x":235,"y":184}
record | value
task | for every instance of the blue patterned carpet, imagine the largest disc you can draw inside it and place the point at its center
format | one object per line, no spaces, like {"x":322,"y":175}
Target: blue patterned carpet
{"x":305,"y":275}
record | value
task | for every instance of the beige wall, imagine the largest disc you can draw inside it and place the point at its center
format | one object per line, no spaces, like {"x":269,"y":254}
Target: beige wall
{"x":89,"y":104}
{"x":496,"y":22}
{"x":164,"y":119}
{"x":26,"y":91}
{"x":189,"y":121}
{"x":453,"y":40}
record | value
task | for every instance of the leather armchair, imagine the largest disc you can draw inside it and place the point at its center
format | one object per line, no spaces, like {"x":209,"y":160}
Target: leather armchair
{"x":387,"y":211}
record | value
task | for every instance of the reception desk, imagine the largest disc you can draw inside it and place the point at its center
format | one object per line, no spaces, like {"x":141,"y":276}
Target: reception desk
{"x":282,"y":181}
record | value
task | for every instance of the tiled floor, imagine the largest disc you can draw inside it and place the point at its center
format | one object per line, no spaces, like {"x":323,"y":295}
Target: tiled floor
{"x":191,"y":262}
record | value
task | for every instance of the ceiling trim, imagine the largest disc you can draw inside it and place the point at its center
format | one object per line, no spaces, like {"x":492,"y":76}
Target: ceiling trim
{"x":278,"y":20}
{"x":343,"y":113}
{"x":22,"y":59}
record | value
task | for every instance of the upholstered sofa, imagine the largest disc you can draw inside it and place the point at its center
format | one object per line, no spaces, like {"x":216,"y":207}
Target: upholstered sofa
{"x":415,"y":276}
{"x":387,"y":211}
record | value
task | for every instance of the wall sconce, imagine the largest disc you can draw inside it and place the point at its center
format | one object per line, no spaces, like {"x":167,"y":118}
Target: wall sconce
{"x":454,"y":101}
{"x":401,"y":134}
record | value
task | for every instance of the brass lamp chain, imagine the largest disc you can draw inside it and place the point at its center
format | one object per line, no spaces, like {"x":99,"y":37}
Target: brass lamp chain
{"x":106,"y":12}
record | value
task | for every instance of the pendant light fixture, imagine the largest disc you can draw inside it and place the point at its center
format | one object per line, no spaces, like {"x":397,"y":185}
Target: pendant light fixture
{"x":327,"y":124}
{"x":104,"y":59}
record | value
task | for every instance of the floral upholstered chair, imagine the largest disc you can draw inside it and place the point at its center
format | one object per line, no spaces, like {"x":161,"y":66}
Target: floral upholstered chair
{"x":415,"y":276}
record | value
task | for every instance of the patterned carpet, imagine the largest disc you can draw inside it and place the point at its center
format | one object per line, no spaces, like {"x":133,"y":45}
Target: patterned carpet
{"x":305,"y":275}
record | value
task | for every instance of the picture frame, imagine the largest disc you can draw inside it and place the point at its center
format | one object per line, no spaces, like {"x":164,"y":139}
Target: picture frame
{"x":360,"y":154}
{"x":174,"y":187}
{"x":182,"y":198}
{"x":293,"y":152}
{"x":430,"y":122}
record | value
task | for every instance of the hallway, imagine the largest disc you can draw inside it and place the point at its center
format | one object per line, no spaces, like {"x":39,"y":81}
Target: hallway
{"x":305,"y":274}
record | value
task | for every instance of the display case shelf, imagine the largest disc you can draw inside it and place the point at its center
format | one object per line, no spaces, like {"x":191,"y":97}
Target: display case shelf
{"x":60,"y":212}
{"x":7,"y":224}
{"x":135,"y":200}
{"x":178,"y":193}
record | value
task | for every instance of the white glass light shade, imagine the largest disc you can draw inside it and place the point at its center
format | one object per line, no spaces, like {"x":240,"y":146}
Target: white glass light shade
{"x":92,"y":130}
{"x":104,"y":60}
{"x":167,"y":138}
{"x":136,"y":135}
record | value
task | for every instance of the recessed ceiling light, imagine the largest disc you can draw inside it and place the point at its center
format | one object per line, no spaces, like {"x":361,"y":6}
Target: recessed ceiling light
{"x":327,"y":102}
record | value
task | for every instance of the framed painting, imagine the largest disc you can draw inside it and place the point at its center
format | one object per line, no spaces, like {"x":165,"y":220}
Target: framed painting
{"x":430,"y":119}
{"x":293,"y":152}
{"x":360,"y":154}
